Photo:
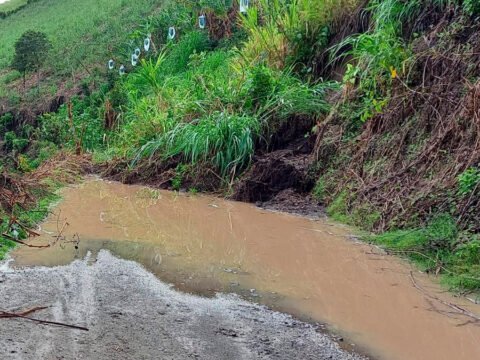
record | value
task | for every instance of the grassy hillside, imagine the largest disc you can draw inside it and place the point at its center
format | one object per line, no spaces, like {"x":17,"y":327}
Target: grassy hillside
{"x":11,"y":5}
{"x":84,"y":33}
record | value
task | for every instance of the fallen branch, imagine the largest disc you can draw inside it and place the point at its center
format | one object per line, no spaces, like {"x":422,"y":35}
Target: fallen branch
{"x":24,"y":243}
{"x":455,"y":307}
{"x":30,"y":232}
{"x":60,"y":232}
{"x":9,"y":315}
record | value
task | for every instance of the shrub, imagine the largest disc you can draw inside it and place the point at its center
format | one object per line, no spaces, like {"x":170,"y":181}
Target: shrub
{"x":319,"y":190}
{"x":12,"y":142}
{"x":378,"y":55}
{"x":471,"y":7}
{"x":468,"y":181}
{"x":6,"y":122}
{"x":285,"y":34}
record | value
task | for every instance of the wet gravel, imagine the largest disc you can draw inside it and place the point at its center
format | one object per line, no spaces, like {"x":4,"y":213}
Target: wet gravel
{"x":131,"y":314}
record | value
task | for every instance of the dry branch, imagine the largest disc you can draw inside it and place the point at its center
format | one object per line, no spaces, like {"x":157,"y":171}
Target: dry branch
{"x":457,"y":309}
{"x":23,"y":315}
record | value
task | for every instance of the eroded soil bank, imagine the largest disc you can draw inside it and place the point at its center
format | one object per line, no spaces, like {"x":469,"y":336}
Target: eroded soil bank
{"x":311,"y":269}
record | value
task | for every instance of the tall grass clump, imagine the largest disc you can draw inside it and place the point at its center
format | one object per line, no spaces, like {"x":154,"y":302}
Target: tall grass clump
{"x":223,"y":140}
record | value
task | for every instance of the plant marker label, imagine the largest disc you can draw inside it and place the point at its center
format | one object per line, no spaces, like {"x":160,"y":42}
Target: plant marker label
{"x":244,"y":6}
{"x":171,"y":33}
{"x":202,"y":21}
{"x":134,"y":59}
{"x":146,"y":44}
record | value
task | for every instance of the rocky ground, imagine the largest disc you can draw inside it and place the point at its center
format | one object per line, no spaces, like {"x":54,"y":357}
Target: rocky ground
{"x":131,"y":314}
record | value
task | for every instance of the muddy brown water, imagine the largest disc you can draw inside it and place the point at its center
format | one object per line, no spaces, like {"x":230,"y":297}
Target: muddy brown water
{"x":311,"y":269}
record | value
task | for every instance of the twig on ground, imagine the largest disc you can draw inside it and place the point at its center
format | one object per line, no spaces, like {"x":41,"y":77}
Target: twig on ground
{"x":455,"y":307}
{"x":9,"y":315}
{"x":24,"y":243}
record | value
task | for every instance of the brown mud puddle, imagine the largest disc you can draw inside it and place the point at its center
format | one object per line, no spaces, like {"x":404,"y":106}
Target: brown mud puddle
{"x":311,"y":269}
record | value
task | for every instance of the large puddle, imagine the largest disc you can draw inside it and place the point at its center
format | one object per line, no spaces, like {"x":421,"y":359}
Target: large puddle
{"x":312,"y":269}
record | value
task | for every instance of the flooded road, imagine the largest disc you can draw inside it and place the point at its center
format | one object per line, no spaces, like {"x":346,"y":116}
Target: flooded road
{"x":311,"y":269}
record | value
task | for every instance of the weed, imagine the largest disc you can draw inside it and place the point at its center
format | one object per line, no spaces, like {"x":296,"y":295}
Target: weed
{"x":225,"y":141}
{"x":468,"y":181}
{"x":319,"y":190}
{"x":193,"y":42}
{"x":338,"y":208}
{"x":180,"y":172}
{"x":379,"y":55}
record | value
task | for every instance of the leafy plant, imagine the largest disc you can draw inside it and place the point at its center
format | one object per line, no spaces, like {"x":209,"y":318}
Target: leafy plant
{"x":6,"y":122}
{"x":471,"y":7}
{"x":180,"y":172}
{"x":12,"y":142}
{"x":468,"y":181}
{"x":319,"y":190}
{"x":222,"y":140}
{"x":379,"y":55}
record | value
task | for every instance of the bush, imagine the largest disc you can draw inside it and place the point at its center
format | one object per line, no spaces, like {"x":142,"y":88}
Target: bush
{"x":12,"y":142}
{"x":87,"y":131}
{"x":179,"y":57}
{"x":6,"y":122}
{"x":377,"y":56}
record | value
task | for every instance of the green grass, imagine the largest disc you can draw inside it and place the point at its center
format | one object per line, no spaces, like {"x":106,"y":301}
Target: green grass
{"x":441,"y":248}
{"x":12,"y":5}
{"x":83,"y":32}
{"x":196,"y":104}
{"x":5,"y":247}
{"x":223,"y":140}
{"x":438,"y":247}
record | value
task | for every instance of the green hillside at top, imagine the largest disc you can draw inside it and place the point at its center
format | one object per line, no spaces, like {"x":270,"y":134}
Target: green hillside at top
{"x":11,"y":5}
{"x":81,"y":31}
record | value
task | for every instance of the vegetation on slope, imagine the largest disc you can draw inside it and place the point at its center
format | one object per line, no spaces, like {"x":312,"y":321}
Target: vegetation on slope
{"x":383,"y":93}
{"x":405,"y":137}
{"x":12,"y":6}
{"x":84,"y":34}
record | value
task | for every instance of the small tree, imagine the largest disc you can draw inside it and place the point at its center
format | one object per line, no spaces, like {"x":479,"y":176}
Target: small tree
{"x":31,"y":49}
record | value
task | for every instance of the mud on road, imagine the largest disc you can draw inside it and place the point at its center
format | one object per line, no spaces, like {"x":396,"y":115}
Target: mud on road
{"x":133,"y":315}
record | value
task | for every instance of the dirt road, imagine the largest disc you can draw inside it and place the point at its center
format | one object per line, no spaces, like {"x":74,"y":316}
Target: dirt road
{"x":133,"y":315}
